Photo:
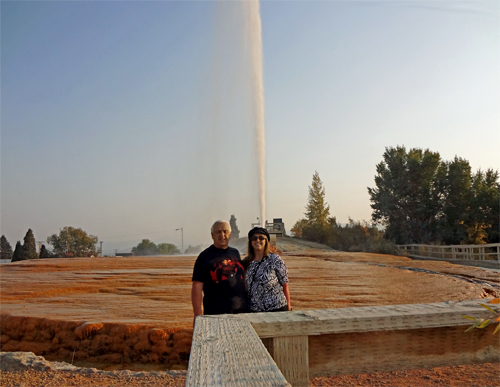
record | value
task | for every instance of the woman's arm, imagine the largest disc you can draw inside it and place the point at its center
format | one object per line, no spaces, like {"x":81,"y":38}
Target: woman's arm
{"x":286,"y":290}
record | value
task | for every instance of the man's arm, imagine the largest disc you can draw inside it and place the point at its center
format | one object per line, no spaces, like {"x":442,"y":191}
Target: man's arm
{"x":197,"y":297}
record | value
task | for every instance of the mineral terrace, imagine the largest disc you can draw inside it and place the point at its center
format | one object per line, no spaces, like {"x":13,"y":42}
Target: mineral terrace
{"x":117,"y":312}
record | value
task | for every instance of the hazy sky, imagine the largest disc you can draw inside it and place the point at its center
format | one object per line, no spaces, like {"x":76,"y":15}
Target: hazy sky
{"x":130,"y":119}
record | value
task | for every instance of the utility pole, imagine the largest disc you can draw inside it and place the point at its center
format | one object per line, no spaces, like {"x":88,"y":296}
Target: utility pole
{"x":182,"y":238}
{"x":39,"y":246}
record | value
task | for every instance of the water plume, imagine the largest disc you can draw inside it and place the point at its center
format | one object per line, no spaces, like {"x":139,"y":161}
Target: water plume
{"x":223,"y":171}
{"x":254,"y":33}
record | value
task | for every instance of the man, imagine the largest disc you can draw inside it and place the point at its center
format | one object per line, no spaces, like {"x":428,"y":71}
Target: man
{"x":218,"y":274}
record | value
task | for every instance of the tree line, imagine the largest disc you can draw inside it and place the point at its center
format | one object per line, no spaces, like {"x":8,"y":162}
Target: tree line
{"x":73,"y":242}
{"x":146,"y":247}
{"x":421,"y":198}
{"x":70,"y":242}
{"x":417,"y":198}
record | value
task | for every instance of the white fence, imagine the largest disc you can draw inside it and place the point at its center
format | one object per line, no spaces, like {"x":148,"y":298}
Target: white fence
{"x":487,"y":252}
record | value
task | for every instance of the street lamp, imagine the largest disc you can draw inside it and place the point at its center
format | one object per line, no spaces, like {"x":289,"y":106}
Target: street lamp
{"x":182,"y":238}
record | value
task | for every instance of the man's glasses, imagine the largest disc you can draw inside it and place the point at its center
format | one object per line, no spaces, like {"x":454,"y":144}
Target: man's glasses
{"x":258,"y":238}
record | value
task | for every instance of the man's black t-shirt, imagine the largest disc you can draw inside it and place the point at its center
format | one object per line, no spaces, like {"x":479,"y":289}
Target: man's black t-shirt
{"x":221,"y":272}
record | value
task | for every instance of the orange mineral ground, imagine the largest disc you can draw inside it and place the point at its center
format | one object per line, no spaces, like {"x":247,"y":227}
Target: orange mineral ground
{"x":138,"y":309}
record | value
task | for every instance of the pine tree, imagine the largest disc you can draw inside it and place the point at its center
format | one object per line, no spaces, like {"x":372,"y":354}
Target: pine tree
{"x":318,"y":211}
{"x":44,"y":253}
{"x":235,"y":232}
{"x":5,"y":248}
{"x":29,"y":246}
{"x":18,"y":253}
{"x":317,"y":214}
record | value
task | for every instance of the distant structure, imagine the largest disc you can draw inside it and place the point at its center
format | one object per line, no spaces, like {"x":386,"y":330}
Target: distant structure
{"x":122,"y":254}
{"x":277,"y":227}
{"x":258,"y":224}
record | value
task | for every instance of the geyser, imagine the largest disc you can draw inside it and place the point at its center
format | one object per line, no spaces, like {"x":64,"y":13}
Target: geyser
{"x":225,"y":161}
{"x":253,"y":32}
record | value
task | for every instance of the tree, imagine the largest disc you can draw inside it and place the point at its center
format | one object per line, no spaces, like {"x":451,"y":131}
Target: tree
{"x":73,"y":242}
{"x":359,"y":236}
{"x":315,"y":225}
{"x":317,"y":212}
{"x":27,"y":250}
{"x":18,"y":253}
{"x":456,"y":189}
{"x":146,"y":247}
{"x":483,"y":219}
{"x":29,"y":246}
{"x":44,"y":253}
{"x":490,"y":205}
{"x":422,"y":199}
{"x":168,"y":249}
{"x":5,"y":248}
{"x":407,"y":198}
{"x":235,"y":232}
{"x":298,"y":228}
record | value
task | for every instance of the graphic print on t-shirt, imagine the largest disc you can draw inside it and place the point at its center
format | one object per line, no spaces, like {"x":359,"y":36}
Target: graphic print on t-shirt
{"x":224,"y":270}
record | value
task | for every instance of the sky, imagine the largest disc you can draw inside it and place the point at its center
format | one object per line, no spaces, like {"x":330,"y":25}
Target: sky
{"x":133,"y":119}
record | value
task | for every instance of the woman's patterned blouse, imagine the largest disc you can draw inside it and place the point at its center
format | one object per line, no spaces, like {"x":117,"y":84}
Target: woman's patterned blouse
{"x":265,"y":280}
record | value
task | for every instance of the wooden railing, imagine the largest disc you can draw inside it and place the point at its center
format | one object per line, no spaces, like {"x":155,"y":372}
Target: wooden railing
{"x":486,"y":252}
{"x":328,"y":342}
{"x":228,"y":352}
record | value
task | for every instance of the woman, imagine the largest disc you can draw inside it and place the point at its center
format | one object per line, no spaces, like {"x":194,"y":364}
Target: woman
{"x":266,"y":275}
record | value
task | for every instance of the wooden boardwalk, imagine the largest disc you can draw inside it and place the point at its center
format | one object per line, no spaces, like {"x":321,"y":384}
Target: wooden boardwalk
{"x":484,"y":253}
{"x":227,"y":352}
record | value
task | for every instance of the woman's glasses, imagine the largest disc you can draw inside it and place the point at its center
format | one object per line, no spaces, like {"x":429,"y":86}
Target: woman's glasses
{"x":258,"y":238}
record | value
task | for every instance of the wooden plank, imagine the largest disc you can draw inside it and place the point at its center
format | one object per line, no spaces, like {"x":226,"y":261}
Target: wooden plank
{"x":364,"y":319}
{"x":291,"y":354}
{"x":227,"y":352}
{"x":353,"y":353}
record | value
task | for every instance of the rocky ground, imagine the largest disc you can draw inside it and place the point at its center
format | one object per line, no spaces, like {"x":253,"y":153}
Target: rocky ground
{"x":27,"y":370}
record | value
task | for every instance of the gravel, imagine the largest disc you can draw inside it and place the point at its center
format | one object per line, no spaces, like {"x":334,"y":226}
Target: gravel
{"x":24,"y":369}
